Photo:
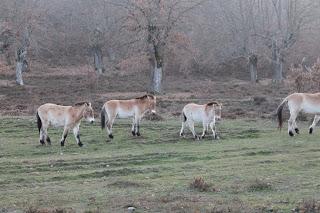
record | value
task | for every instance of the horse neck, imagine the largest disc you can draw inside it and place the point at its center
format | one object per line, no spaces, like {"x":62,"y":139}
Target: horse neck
{"x":143,"y":104}
{"x":210,"y":111}
{"x":78,"y":112}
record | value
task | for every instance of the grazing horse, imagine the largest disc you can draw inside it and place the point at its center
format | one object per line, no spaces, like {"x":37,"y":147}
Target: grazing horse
{"x":134,"y":108}
{"x":68,"y":117}
{"x":307,"y":102}
{"x":207,"y":114}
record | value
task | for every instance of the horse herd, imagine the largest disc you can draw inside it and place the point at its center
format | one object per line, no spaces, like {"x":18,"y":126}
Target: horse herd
{"x":69,"y":117}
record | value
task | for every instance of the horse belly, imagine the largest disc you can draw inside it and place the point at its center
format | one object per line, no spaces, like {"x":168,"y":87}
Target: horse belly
{"x":56,"y":120}
{"x":312,"y":109}
{"x":125,"y":114}
{"x":197,"y":117}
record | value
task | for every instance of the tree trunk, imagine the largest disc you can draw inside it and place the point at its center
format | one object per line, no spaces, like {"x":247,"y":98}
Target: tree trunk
{"x":21,"y":56}
{"x":98,"y":60}
{"x":21,"y":65}
{"x":156,"y":80}
{"x":253,"y":64}
{"x":277,"y":63}
{"x":19,"y":68}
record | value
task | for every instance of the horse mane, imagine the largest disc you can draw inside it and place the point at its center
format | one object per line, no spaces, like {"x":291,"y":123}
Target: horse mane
{"x":144,"y":97}
{"x":212,"y":103}
{"x":81,"y":103}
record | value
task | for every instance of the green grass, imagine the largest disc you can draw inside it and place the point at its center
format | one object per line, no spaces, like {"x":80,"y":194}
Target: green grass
{"x":253,"y":167}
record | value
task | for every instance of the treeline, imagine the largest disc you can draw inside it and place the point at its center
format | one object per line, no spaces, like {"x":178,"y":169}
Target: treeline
{"x":172,"y":36}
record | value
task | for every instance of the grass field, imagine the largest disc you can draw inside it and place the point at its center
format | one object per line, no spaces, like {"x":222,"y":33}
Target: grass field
{"x":253,"y":168}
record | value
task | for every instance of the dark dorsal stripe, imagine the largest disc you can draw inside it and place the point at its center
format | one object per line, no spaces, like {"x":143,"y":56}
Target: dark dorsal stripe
{"x":82,"y":103}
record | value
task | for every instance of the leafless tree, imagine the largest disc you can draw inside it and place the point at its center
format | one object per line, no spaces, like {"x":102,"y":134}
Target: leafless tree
{"x":155,"y":21}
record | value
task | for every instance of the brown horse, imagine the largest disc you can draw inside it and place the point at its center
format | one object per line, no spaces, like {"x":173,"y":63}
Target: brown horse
{"x":297,"y":102}
{"x":134,"y":108}
{"x":68,"y":117}
{"x":207,"y":114}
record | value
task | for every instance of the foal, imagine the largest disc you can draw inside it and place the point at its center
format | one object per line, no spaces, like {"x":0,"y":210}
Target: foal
{"x":134,"y":108}
{"x":207,"y":114}
{"x":68,"y":117}
{"x":297,"y":102}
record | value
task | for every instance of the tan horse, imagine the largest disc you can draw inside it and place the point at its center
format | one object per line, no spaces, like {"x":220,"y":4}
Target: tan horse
{"x":68,"y":117}
{"x":207,"y":114}
{"x":297,"y":102}
{"x":134,"y":108}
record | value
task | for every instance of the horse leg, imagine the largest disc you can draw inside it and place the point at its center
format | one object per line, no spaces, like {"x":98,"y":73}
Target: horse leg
{"x":42,"y":136}
{"x":182,"y":129}
{"x":204,"y":132}
{"x":64,"y":136}
{"x":291,"y":121}
{"x":213,"y":129}
{"x":191,"y":127}
{"x":47,"y":136}
{"x":133,"y":129}
{"x":76,"y":134}
{"x":314,"y":123}
{"x":138,"y":126}
{"x":109,"y":127}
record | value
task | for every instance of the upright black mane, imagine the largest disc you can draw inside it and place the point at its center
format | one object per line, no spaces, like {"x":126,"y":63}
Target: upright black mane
{"x":145,"y":96}
{"x":212,"y":103}
{"x":82,"y":103}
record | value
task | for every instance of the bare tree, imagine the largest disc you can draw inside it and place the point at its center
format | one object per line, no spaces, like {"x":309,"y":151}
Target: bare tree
{"x":20,"y":18}
{"x":155,"y":20}
{"x":281,"y":24}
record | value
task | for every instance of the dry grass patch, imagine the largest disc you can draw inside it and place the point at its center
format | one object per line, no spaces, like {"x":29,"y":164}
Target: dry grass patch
{"x":201,"y":185}
{"x":308,"y":206}
{"x":259,"y":185}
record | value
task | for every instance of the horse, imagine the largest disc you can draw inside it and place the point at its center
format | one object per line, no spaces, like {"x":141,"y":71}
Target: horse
{"x":207,"y":114}
{"x":134,"y":108}
{"x":307,"y":102}
{"x":68,"y":117}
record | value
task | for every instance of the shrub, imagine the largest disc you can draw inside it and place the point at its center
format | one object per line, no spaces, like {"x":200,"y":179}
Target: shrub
{"x":199,"y":184}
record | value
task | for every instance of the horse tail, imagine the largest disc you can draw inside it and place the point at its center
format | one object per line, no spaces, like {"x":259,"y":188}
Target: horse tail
{"x":39,"y":122}
{"x":103,"y":117}
{"x":279,"y":112}
{"x":184,"y":117}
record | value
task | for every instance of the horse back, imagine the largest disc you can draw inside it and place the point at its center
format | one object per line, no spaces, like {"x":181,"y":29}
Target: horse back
{"x":54,"y":113}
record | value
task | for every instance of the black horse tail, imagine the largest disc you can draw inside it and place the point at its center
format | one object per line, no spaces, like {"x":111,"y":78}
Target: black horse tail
{"x":184,"y":117}
{"x":103,"y":118}
{"x":279,"y":113}
{"x":39,"y":122}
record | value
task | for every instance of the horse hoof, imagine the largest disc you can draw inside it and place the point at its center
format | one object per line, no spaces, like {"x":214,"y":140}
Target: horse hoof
{"x":80,"y":144}
{"x":291,"y":133}
{"x":297,"y":130}
{"x":62,"y":143}
{"x":133,"y":133}
{"x":48,"y":140}
{"x":110,"y":136}
{"x":310,"y":130}
{"x":41,"y":142}
{"x":202,"y":137}
{"x":138,"y":134}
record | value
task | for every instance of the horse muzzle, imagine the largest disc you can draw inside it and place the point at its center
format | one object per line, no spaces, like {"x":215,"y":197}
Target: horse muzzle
{"x":153,"y":111}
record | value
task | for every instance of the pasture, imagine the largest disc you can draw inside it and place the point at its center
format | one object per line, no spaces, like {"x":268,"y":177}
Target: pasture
{"x":253,"y":168}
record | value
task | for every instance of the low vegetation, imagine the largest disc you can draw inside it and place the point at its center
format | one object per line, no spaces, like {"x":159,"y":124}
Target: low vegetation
{"x":257,"y":171}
